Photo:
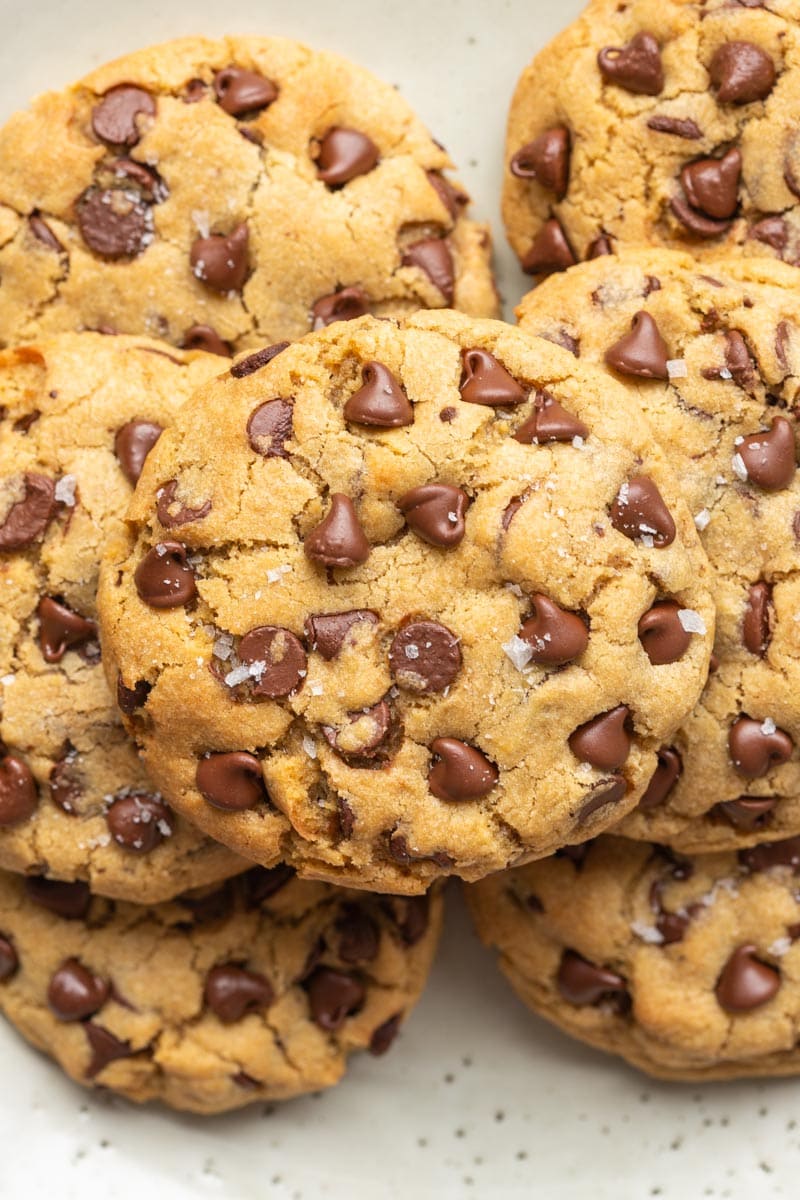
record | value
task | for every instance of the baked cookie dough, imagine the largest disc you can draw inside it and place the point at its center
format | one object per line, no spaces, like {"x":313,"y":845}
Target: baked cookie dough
{"x":686,"y":967}
{"x":712,"y":355}
{"x":381,"y":600}
{"x":225,"y":194}
{"x":259,"y":990}
{"x":669,"y":123}
{"x":78,"y":413}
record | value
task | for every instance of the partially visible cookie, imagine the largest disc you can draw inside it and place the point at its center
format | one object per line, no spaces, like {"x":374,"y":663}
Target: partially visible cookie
{"x":259,"y":990}
{"x":686,"y":967}
{"x":660,"y":122}
{"x":381,"y":599}
{"x":712,"y":355}
{"x":227,"y":194}
{"x":78,"y":414}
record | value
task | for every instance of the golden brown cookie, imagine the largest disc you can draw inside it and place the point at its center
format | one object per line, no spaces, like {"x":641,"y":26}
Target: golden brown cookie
{"x":226,"y":194}
{"x":78,"y":413}
{"x":380,"y":599}
{"x":686,"y":967}
{"x":259,"y":990}
{"x":712,"y":355}
{"x":667,"y":124}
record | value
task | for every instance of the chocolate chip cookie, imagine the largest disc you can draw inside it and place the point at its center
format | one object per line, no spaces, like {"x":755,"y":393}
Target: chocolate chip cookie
{"x":258,"y":990}
{"x":78,"y":414}
{"x":224,"y":194}
{"x":686,"y":967}
{"x":712,"y":354}
{"x":662,"y":124}
{"x":382,"y":600}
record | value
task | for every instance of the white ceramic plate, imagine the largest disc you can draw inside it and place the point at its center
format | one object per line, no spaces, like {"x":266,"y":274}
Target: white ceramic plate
{"x":477,"y":1098}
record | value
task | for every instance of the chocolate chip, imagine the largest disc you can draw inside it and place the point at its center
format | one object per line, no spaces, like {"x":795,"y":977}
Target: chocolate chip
{"x":435,"y":512}
{"x":75,"y":992}
{"x":608,"y":791}
{"x":576,"y":854}
{"x":746,"y":982}
{"x":129,"y":699}
{"x":165,"y":578}
{"x":231,"y":992}
{"x":755,"y":752}
{"x":338,"y":540}
{"x":581,"y":982}
{"x":738,"y":359}
{"x":364,"y":734}
{"x":769,"y":456}
{"x":639,"y":511}
{"x":383,"y":1037}
{"x":550,"y":422}
{"x":484,"y":380}
{"x":451,"y":197}
{"x":411,"y":914}
{"x":172,"y":513}
{"x":401,"y":852}
{"x":358,"y":935}
{"x":348,"y":304}
{"x":741,"y":72}
{"x":70,"y":901}
{"x":424,"y":657}
{"x":146,"y":181}
{"x":636,"y":66}
{"x":459,"y":771}
{"x":782,"y":342}
{"x":254,"y":362}
{"x":605,"y":741}
{"x":205,"y":337}
{"x":663,"y":638}
{"x":549,"y":252}
{"x":132,"y":444}
{"x":44,"y":234}
{"x":139,"y":822}
{"x":672,"y":927}
{"x":9,"y":960}
{"x":241,"y":92}
{"x":664,"y":779}
{"x":65,"y":786}
{"x":233,"y":781}
{"x":282,"y":657}
{"x":210,"y":907}
{"x":757,"y":622}
{"x":642,"y":352}
{"x":346,"y":818}
{"x":545,"y":159}
{"x":380,"y":401}
{"x":115,"y":119}
{"x":599,"y":248}
{"x":748,"y":812}
{"x":221,"y":261}
{"x":114,"y":222}
{"x":555,"y":635}
{"x":270,"y":427}
{"x":61,"y":629}
{"x":105,"y":1047}
{"x":262,"y":883}
{"x":333,"y":997}
{"x":697,"y":222}
{"x":771,"y":855}
{"x":327,"y":633}
{"x":18,"y":794}
{"x":676,"y":126}
{"x":343,"y":154}
{"x":28,"y":518}
{"x":712,"y":184}
{"x":772,"y":231}
{"x":433,"y":256}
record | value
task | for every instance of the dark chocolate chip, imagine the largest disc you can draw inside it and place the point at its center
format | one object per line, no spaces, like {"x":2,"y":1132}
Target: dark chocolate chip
{"x":755,"y":752}
{"x":231,"y":992}
{"x":599,"y":248}
{"x":233,"y":781}
{"x":639,"y":511}
{"x":642,"y":352}
{"x":165,"y":578}
{"x":270,"y":427}
{"x":262,"y":883}
{"x":114,"y":222}
{"x":333,"y":997}
{"x":484,"y":380}
{"x":383,"y":1037}
{"x":75,"y":993}
{"x":28,"y":518}
{"x":436,"y":513}
{"x":411,"y":914}
{"x":205,"y":337}
{"x":282,"y":657}
{"x":380,"y":401}
{"x":401,"y":852}
{"x":711,"y":185}
{"x":664,"y":779}
{"x":550,"y":422}
{"x":681,"y":127}
{"x":550,"y":251}
{"x":116,"y":119}
{"x":254,"y":362}
{"x":241,"y":92}
{"x":741,"y":72}
{"x":327,"y":633}
{"x":545,"y":159}
{"x":697,"y":222}
{"x":608,"y":791}
{"x":758,"y":618}
{"x":636,"y":66}
{"x":61,"y":629}
{"x":459,"y":771}
{"x":18,"y":793}
{"x":582,"y":983}
{"x":139,"y":822}
{"x":770,"y":456}
{"x":605,"y":741}
{"x":343,"y":154}
{"x":171,"y":513}
{"x":433,"y":256}
{"x":9,"y":960}
{"x":70,"y":901}
{"x":364,"y":734}
{"x":555,"y":635}
{"x":338,"y":540}
{"x":105,"y":1048}
{"x":132,"y":444}
{"x":347,"y":304}
{"x":748,"y":812}
{"x":129,"y":699}
{"x":772,"y":231}
{"x":358,"y":937}
{"x":44,"y":234}
{"x":772,"y":854}
{"x":65,"y":785}
{"x":221,"y":261}
{"x":746,"y":982}
{"x":451,"y":197}
{"x":663,"y":638}
{"x":425,"y":657}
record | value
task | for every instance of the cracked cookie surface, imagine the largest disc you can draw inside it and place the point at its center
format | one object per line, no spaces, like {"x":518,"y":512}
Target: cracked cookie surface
{"x":712,"y":355}
{"x":660,"y":124}
{"x":224,"y":194}
{"x":259,"y":990}
{"x":381,"y":600}
{"x":78,"y":413}
{"x":686,"y":967}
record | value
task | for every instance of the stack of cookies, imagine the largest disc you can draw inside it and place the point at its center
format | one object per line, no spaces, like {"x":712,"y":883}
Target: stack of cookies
{"x":319,"y":584}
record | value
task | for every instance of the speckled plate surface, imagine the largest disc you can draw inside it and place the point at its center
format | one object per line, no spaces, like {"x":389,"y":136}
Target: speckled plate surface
{"x":477,"y":1098}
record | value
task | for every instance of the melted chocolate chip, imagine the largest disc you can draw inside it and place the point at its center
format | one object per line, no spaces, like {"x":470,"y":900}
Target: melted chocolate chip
{"x":380,"y":401}
{"x":605,"y":741}
{"x":555,"y":635}
{"x":770,"y":457}
{"x":582,"y":983}
{"x":364,"y":735}
{"x":221,"y":261}
{"x":132,"y":444}
{"x":642,"y":352}
{"x":748,"y":812}
{"x":75,"y":993}
{"x":484,"y":380}
{"x":344,"y":154}
{"x":333,"y":997}
{"x":425,"y":657}
{"x":328,"y":633}
{"x":165,"y":578}
{"x":550,"y":251}
{"x":282,"y":656}
{"x":738,"y":359}
{"x":636,"y":66}
{"x":70,"y":901}
{"x":114,"y":222}
{"x":243,"y":93}
{"x":459,"y":771}
{"x":270,"y":427}
{"x":28,"y":518}
{"x":139,"y":822}
{"x":254,"y":362}
{"x":171,"y":513}
{"x":231,"y":992}
{"x":639,"y":511}
{"x":18,"y":793}
{"x":746,"y":982}
{"x":663,"y":638}
{"x":755,"y":752}
{"x":436,"y":513}
{"x":231,"y":781}
{"x":338,"y":540}
{"x":758,"y":617}
{"x":550,"y":422}
{"x":599,"y":248}
{"x":665,"y":777}
{"x":433,"y":257}
{"x":348,"y":304}
{"x":545,"y":159}
{"x":117,"y":118}
{"x":61,"y":629}
{"x":741,"y":72}
{"x":697,"y":222}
